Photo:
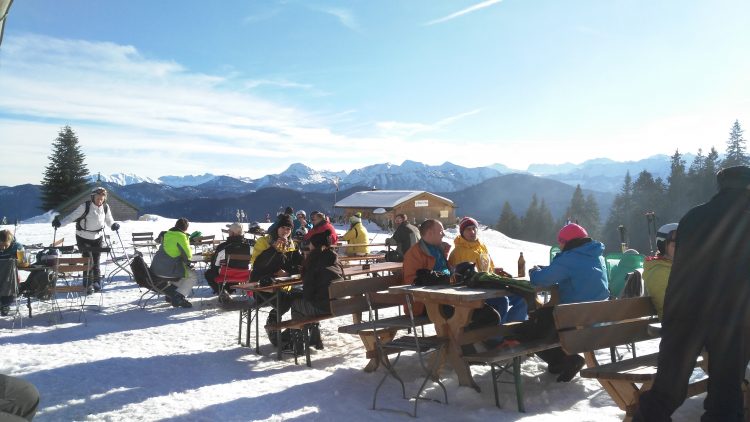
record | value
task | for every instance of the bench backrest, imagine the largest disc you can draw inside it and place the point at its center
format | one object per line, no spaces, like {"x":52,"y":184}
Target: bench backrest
{"x":583,"y":327}
{"x":348,"y":296}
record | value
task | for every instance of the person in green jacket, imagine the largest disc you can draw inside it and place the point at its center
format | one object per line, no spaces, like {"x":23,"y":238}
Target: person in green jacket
{"x":657,"y":269}
{"x":173,"y":260}
{"x":631,"y":261}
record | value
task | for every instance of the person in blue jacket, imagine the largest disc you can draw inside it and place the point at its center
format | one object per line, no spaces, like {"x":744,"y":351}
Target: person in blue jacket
{"x":581,"y":275}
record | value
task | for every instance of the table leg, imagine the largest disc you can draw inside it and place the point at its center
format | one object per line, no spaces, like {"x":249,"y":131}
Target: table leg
{"x":453,"y":328}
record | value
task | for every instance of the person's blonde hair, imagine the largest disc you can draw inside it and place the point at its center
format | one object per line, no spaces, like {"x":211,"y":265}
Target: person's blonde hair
{"x":6,"y":238}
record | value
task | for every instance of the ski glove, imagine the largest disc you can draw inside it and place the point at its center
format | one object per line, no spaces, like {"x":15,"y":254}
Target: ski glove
{"x":56,"y":223}
{"x":115,"y":227}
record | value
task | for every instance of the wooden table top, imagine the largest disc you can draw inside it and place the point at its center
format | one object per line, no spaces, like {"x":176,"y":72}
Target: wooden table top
{"x":353,"y":270}
{"x":449,"y":294}
{"x":279,"y":283}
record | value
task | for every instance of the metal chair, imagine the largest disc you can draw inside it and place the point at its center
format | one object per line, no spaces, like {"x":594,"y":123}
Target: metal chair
{"x":422,"y":346}
{"x":9,"y":287}
{"x":633,"y":288}
{"x":154,"y":285}
{"x":144,"y":240}
{"x":69,"y":280}
{"x":229,"y":274}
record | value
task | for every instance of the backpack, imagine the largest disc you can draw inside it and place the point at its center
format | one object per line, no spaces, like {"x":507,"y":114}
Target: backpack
{"x":85,"y":213}
{"x":38,"y":285}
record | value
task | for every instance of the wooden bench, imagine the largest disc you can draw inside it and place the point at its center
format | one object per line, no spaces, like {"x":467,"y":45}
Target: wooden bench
{"x":348,"y":298}
{"x":586,"y":327}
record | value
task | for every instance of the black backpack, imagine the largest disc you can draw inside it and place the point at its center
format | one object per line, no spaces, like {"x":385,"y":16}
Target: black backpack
{"x":38,"y":285}
{"x":85,"y":213}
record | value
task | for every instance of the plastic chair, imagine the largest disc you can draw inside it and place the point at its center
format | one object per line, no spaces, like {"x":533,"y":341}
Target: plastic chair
{"x":619,"y":266}
{"x":553,"y":251}
{"x":420,"y":345}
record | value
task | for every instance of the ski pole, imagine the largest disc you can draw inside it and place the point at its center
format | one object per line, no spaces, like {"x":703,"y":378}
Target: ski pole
{"x":623,"y":244}
{"x":54,"y":237}
{"x":124,"y":251}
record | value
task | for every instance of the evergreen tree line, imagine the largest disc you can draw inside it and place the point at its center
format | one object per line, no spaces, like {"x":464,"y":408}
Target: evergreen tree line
{"x":640,"y":207}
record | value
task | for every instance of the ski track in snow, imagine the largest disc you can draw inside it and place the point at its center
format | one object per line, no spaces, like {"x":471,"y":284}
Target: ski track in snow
{"x":166,"y":364}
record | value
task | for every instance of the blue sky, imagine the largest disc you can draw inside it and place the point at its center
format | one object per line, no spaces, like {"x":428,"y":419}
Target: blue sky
{"x":248,"y":87}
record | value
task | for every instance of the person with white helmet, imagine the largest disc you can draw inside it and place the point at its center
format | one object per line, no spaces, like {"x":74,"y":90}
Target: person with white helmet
{"x":657,"y":268}
{"x":91,"y":217}
{"x":301,"y":225}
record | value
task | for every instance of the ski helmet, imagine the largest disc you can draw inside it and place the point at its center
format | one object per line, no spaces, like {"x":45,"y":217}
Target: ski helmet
{"x":663,"y":235}
{"x":570,"y":232}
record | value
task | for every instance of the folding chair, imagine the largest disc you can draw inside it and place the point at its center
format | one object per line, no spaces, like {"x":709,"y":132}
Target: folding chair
{"x":144,"y":240}
{"x":233,"y":274}
{"x":154,"y":285}
{"x":633,"y":288}
{"x":202,"y":241}
{"x":422,"y":346}
{"x":9,"y":287}
{"x":70,"y":272}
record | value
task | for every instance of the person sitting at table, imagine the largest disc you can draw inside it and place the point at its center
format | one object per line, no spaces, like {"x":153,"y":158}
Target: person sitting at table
{"x":9,"y":249}
{"x":289,"y":211}
{"x":236,"y":244}
{"x":319,"y":270}
{"x":468,"y":248}
{"x":656,"y":269}
{"x":357,"y":234}
{"x":172,"y":260}
{"x":301,"y":225}
{"x":321,"y":224}
{"x":581,"y":275}
{"x":275,"y":255}
{"x":91,"y":217}
{"x":630,"y":261}
{"x":405,"y":236}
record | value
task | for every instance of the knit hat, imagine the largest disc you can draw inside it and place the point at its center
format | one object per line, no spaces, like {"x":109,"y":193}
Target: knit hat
{"x":289,"y":211}
{"x":354,"y":219}
{"x":737,"y":177}
{"x":570,"y":232}
{"x":284,"y":220}
{"x":465,"y":223}
{"x":302,"y":212}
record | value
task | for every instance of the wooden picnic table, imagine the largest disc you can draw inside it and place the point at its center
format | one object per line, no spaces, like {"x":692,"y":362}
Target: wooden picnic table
{"x":353,"y":270}
{"x":465,"y":301}
{"x":366,"y":258}
{"x":279,"y":283}
{"x":344,"y":245}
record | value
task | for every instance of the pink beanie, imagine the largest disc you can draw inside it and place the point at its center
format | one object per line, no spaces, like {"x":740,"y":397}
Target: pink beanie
{"x":466,"y":222}
{"x":570,"y":232}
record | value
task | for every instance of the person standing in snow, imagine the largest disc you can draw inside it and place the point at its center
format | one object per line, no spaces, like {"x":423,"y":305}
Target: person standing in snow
{"x":405,"y":236}
{"x":706,"y":306}
{"x":357,"y":234}
{"x":91,"y":217}
{"x":468,"y":248}
{"x":581,"y":275}
{"x":9,"y":249}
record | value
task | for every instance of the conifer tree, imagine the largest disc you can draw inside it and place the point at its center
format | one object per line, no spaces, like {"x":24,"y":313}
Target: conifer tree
{"x":65,"y":175}
{"x":677,"y":193}
{"x":736,"y":149}
{"x":591,"y":217}
{"x":508,"y":223}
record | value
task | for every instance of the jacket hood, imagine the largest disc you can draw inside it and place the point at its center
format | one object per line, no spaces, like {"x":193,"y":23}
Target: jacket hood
{"x":460,"y":242}
{"x":592,"y":248}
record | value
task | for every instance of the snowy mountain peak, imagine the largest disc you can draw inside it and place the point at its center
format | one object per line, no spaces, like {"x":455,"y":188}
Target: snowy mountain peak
{"x":123,"y":179}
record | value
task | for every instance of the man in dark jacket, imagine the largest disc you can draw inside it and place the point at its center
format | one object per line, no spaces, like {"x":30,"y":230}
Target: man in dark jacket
{"x":405,"y":236}
{"x":236,"y":244}
{"x":706,"y":305}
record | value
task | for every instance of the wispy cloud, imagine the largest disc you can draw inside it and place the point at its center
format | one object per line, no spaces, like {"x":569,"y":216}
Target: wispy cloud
{"x":345,"y":17}
{"x":470,"y":9}
{"x":406,"y":129}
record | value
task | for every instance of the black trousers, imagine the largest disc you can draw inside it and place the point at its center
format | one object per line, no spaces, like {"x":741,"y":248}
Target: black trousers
{"x":19,"y":399}
{"x":86,"y":246}
{"x":727,"y":348}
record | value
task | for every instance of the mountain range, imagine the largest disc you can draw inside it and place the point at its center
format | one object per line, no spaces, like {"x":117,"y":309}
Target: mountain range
{"x":469,"y":187}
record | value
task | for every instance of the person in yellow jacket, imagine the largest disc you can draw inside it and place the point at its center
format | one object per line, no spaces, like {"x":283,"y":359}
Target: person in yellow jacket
{"x":357,"y":234}
{"x":173,"y":260}
{"x":468,"y":248}
{"x":656,"y":269}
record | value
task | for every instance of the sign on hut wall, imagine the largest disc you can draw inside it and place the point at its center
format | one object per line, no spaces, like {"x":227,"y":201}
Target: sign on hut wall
{"x":422,"y":203}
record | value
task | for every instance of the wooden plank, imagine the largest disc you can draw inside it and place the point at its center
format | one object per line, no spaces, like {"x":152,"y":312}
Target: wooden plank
{"x":401,"y":322}
{"x":588,"y":313}
{"x":361,"y":286}
{"x":604,"y":336}
{"x":523,"y":349}
{"x":353,"y":305}
{"x":298,"y":323}
{"x":639,"y":369}
{"x":73,"y":260}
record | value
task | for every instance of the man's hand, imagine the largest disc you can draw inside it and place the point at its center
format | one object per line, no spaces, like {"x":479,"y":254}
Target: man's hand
{"x":115,"y":227}
{"x":56,"y":223}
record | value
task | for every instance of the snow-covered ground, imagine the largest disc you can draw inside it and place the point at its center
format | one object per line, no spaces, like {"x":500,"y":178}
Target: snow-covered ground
{"x":171,"y":364}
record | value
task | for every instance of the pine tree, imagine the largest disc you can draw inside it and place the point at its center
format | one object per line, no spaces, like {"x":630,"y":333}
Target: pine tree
{"x":591,"y":217}
{"x":545,"y":233}
{"x":736,"y":155}
{"x":508,"y":223}
{"x":66,"y":173}
{"x":577,"y":208}
{"x":677,"y":193}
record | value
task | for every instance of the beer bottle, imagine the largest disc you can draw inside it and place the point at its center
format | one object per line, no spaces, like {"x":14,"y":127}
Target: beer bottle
{"x":521,"y":266}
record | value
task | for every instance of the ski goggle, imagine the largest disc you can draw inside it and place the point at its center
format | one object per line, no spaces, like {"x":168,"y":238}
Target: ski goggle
{"x":99,"y":191}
